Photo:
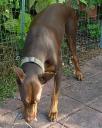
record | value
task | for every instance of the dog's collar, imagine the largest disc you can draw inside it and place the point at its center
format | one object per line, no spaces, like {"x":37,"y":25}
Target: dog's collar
{"x":33,"y":60}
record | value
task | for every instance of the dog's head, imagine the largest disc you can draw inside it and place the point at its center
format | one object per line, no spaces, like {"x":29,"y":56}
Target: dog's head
{"x":30,"y":92}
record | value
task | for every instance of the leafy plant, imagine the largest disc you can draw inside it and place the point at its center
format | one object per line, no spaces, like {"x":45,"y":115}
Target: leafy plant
{"x":41,"y":4}
{"x":61,"y":1}
{"x":27,"y":21}
{"x":94,"y":30}
{"x":91,"y":3}
{"x":13,"y":25}
{"x":31,"y":3}
{"x":84,"y":1}
{"x":4,"y":2}
{"x":7,"y":87}
{"x":16,"y":4}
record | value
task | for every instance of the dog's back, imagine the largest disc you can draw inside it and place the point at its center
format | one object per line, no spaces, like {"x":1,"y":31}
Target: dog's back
{"x":48,"y":27}
{"x":48,"y":17}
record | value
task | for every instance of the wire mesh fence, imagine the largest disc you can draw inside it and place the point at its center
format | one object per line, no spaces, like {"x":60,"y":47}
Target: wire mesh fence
{"x":8,"y":46}
{"x":88,"y":37}
{"x":8,"y":36}
{"x":14,"y":26}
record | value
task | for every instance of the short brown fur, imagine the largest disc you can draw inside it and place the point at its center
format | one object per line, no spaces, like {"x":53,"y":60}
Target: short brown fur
{"x":44,"y":42}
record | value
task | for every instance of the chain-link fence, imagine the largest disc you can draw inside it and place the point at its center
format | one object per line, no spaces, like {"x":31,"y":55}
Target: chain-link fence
{"x":9,"y":36}
{"x":14,"y":21}
{"x":89,"y":34}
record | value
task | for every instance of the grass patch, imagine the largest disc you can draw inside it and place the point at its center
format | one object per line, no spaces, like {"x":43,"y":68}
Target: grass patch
{"x":67,"y":70}
{"x":7,"y":87}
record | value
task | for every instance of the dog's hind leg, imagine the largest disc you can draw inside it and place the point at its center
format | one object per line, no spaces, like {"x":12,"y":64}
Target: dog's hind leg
{"x":70,"y":29}
{"x":75,"y":60}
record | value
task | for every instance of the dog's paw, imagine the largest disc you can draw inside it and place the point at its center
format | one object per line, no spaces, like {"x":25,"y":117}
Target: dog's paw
{"x":79,"y":75}
{"x":53,"y":116}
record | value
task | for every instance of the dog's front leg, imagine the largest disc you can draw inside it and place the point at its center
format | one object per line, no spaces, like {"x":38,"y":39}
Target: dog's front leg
{"x":54,"y":99}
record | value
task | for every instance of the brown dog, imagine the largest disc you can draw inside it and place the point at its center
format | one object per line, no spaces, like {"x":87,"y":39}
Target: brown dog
{"x":42,"y":57}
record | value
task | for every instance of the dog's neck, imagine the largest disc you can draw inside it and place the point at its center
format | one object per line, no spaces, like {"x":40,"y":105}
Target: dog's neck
{"x":33,"y":60}
{"x":31,"y":69}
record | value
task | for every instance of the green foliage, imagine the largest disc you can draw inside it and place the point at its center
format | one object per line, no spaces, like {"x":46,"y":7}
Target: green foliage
{"x":10,"y":22}
{"x":7,"y":87}
{"x":67,"y":70}
{"x":91,"y":3}
{"x":84,"y":1}
{"x":11,"y":3}
{"x":27,"y":21}
{"x":13,"y":25}
{"x":3,"y":2}
{"x":61,"y":1}
{"x":7,"y":15}
{"x":16,"y":4}
{"x":94,"y":30}
{"x":88,"y":3}
{"x":42,"y":4}
{"x":31,"y":3}
{"x":74,"y":4}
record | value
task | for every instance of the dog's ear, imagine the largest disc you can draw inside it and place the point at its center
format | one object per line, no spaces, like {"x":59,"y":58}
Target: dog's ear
{"x":19,"y":72}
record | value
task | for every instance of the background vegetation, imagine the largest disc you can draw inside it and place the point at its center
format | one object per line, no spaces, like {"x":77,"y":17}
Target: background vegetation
{"x":10,"y":27}
{"x":11,"y":13}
